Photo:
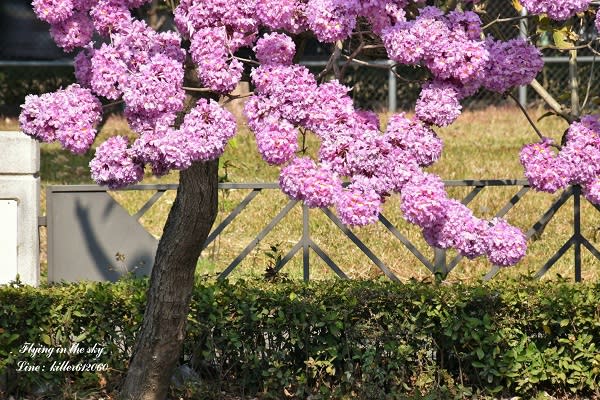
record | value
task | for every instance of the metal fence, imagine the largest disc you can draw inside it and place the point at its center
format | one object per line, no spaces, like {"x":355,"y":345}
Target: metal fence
{"x":86,"y":227}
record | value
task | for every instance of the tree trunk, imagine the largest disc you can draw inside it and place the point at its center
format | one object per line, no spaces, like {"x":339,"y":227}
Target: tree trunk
{"x":159,"y":341}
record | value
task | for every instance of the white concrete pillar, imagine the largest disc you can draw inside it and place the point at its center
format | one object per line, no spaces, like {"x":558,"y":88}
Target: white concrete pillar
{"x":19,"y":208}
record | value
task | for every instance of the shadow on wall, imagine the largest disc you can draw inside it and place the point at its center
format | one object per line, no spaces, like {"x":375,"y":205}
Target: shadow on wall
{"x":91,"y":237}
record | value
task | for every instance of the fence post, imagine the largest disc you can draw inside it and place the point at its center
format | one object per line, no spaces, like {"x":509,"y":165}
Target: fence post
{"x":19,"y":208}
{"x":392,"y":88}
{"x":439,"y":262}
{"x":305,"y":242}
{"x":577,"y":230}
{"x":523,"y":34}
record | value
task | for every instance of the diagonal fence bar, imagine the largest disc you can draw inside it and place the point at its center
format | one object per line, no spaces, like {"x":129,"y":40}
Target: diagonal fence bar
{"x":549,"y":214}
{"x":328,"y":260}
{"x":577,"y":229}
{"x":149,"y":204}
{"x":258,"y":238}
{"x":407,"y":243}
{"x":229,"y":219}
{"x":360,"y":245}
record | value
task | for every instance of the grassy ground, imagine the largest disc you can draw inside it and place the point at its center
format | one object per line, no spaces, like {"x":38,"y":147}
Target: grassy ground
{"x":480,"y":145}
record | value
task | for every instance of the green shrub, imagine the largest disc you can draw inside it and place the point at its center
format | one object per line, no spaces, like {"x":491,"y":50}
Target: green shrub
{"x":87,"y":316}
{"x":328,"y":339}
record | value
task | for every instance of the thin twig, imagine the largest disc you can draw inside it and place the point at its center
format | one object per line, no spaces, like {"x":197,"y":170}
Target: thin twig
{"x":367,"y":64}
{"x":497,"y":20}
{"x":535,"y":128}
{"x":373,"y":46}
{"x":194,"y":89}
{"x":114,"y":103}
{"x":327,"y":68}
{"x":232,"y":97}
{"x":589,"y":84}
{"x":583,"y":46}
{"x":591,"y":47}
{"x":352,"y":56}
{"x":337,"y":52}
{"x":172,"y":4}
{"x":397,"y":75}
{"x":246,"y":60}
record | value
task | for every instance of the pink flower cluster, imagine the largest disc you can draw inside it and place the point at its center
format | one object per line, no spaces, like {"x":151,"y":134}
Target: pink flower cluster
{"x":217,"y":29}
{"x":448,"y":223}
{"x":452,"y":48}
{"x":577,"y":162}
{"x":289,"y":15}
{"x":114,"y":165}
{"x":439,"y":103}
{"x":376,"y":164}
{"x":72,"y":22}
{"x":515,"y":62}
{"x":143,"y":67}
{"x":202,"y":136}
{"x":146,"y":70}
{"x":303,"y":180}
{"x":68,"y":115}
{"x":212,"y":51}
{"x":275,"y":48}
{"x":557,"y":10}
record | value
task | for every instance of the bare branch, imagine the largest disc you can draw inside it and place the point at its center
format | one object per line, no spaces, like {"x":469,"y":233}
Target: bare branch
{"x":352,"y":56}
{"x":583,"y":46}
{"x":574,"y":83}
{"x":195,"y":89}
{"x":327,"y":68}
{"x":368,"y":64}
{"x":232,"y":97}
{"x":589,"y":84}
{"x":114,"y":103}
{"x":373,"y":46}
{"x":533,"y":125}
{"x":337,"y":52}
{"x":246,"y":60}
{"x":552,"y":103}
{"x":498,"y":20}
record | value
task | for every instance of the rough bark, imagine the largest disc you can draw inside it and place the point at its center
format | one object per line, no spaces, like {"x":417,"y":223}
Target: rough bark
{"x":159,"y":341}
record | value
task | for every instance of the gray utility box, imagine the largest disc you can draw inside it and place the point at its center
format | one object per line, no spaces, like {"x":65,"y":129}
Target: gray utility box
{"x":19,"y":208}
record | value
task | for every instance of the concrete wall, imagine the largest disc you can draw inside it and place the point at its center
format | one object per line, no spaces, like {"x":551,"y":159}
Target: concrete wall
{"x":19,"y":208}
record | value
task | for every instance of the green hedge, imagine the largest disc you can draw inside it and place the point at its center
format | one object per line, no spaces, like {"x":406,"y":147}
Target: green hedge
{"x":337,"y":339}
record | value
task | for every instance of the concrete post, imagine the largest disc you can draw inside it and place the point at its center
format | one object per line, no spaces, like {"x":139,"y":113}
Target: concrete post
{"x":19,"y":208}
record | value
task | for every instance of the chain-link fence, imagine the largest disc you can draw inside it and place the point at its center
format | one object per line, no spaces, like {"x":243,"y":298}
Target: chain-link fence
{"x":31,"y":63}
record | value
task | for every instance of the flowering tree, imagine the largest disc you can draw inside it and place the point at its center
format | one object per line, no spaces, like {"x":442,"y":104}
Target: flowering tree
{"x":171,"y":83}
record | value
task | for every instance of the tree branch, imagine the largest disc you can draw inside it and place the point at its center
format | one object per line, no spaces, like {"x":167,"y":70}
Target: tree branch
{"x":552,"y":103}
{"x":533,"y":125}
{"x":337,"y":52}
{"x":246,"y":60}
{"x":195,"y":89}
{"x":574,"y":83}
{"x":353,"y":55}
{"x":498,"y":20}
